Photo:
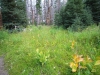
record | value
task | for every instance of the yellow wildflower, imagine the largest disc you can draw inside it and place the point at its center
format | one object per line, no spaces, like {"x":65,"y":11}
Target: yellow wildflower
{"x":74,"y":66}
{"x":77,"y":58}
{"x":73,"y":43}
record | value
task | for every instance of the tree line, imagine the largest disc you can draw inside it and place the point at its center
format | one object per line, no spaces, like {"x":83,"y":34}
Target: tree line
{"x":13,"y":12}
{"x":65,"y":13}
{"x":78,"y":13}
{"x":23,"y":12}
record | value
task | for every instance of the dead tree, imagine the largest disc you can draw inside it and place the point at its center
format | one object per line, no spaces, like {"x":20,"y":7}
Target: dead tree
{"x":48,"y":12}
{"x":32,"y":12}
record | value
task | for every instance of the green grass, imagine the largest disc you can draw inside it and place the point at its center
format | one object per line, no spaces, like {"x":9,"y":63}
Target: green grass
{"x":46,"y":50}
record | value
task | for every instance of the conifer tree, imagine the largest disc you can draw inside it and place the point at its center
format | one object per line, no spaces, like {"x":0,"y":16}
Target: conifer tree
{"x":75,"y":14}
{"x":94,"y":6}
{"x":75,"y":10}
{"x":13,"y":12}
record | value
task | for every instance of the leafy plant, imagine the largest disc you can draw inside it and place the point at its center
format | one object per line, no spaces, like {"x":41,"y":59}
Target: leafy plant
{"x":97,"y":62}
{"x":42,"y":57}
{"x":83,"y":65}
{"x":48,"y":51}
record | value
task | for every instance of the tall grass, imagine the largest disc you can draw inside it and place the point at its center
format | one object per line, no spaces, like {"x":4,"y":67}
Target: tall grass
{"x":45,"y":50}
{"x":3,"y":38}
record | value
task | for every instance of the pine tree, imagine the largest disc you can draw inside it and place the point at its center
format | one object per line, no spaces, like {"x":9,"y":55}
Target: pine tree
{"x":94,"y":6}
{"x":60,"y":17}
{"x":75,"y":12}
{"x":13,"y":12}
{"x":21,"y":12}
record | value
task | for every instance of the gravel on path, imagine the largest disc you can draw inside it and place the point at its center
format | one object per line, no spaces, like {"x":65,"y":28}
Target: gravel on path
{"x":2,"y":69}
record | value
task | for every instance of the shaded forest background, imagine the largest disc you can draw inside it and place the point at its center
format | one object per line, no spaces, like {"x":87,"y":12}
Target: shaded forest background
{"x":65,"y":13}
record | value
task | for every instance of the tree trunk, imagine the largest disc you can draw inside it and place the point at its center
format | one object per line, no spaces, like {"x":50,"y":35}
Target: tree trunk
{"x":27,"y":11}
{"x":32,"y":12}
{"x":48,"y":18}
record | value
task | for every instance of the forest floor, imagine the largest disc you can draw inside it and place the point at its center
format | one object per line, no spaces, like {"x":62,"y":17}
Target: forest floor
{"x":48,"y":50}
{"x":2,"y":69}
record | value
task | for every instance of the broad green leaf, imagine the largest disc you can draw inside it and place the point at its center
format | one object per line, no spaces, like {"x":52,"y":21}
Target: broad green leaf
{"x":97,"y":62}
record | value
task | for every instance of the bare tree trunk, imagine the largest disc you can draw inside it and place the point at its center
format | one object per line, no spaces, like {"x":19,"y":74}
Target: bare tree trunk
{"x":45,"y":12}
{"x":48,"y":17}
{"x":32,"y":12}
{"x":52,"y":11}
{"x":49,"y":7}
{"x":27,"y":11}
{"x":36,"y":17}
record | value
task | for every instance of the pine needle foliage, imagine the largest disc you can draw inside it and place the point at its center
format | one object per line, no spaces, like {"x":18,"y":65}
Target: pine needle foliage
{"x":13,"y":12}
{"x":94,"y":6}
{"x":74,"y":11}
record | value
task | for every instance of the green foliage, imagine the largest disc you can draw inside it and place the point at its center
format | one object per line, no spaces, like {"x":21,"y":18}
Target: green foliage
{"x":94,"y":6}
{"x":73,"y":15}
{"x":42,"y":57}
{"x":82,"y":65}
{"x":38,"y":6}
{"x":77,"y":25}
{"x":13,"y":12}
{"x":59,"y":17}
{"x":46,"y":50}
{"x":3,"y":35}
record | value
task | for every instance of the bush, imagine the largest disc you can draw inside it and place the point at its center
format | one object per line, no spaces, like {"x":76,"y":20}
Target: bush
{"x":3,"y":35}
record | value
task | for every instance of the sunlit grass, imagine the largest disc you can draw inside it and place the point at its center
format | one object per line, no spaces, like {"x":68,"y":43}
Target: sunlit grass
{"x":46,"y":50}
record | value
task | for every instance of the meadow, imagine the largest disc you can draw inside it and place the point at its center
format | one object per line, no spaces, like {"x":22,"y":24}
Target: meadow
{"x":48,"y":50}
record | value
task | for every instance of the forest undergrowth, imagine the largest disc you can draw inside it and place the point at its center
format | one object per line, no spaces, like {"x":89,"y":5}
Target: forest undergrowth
{"x":47,"y":50}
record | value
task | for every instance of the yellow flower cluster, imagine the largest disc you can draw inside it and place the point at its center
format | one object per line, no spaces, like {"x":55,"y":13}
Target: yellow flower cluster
{"x":77,"y":59}
{"x":73,"y":44}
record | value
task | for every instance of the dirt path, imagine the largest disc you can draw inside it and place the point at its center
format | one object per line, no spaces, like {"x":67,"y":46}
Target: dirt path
{"x":2,"y":70}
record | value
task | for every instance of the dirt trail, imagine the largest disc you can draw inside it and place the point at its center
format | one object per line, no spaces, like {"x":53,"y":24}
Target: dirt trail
{"x":2,"y":70}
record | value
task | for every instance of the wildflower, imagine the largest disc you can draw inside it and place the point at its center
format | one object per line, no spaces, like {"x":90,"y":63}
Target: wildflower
{"x":77,"y":58}
{"x":74,"y":66}
{"x":73,"y":43}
